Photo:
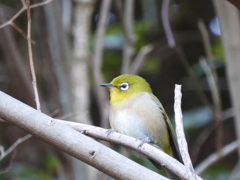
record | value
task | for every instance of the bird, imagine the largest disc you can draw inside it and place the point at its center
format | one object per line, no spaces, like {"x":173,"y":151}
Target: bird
{"x":135,"y":111}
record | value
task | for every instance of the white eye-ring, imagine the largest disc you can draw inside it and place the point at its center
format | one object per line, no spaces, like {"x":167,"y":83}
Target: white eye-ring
{"x":124,"y":86}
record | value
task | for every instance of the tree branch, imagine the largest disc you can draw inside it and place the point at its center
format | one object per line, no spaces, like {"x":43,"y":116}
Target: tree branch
{"x":71,"y":141}
{"x":183,"y":147}
{"x":166,"y":23}
{"x":146,"y":149}
{"x":97,"y":61}
{"x":215,"y":157}
{"x":66,"y":138}
{"x":13,"y":146}
{"x":141,"y":56}
{"x":24,"y":8}
{"x":34,"y":79}
{"x":230,"y":28}
{"x":128,"y":26}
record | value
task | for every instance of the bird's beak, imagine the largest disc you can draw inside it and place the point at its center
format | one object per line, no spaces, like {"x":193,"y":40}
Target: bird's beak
{"x":108,"y":85}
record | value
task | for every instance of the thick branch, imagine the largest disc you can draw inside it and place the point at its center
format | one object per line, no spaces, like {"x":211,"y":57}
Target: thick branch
{"x":230,"y":27}
{"x":64,"y":137}
{"x":146,"y":149}
{"x":71,"y":141}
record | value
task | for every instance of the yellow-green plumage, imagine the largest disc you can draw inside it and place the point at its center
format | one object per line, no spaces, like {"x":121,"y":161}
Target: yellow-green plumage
{"x":136,"y":83}
{"x":136,"y":112}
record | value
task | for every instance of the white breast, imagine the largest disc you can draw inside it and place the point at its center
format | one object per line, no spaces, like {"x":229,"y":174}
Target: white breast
{"x":139,"y":117}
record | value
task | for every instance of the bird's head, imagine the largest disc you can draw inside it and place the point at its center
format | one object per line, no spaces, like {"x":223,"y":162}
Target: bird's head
{"x":124,"y":86}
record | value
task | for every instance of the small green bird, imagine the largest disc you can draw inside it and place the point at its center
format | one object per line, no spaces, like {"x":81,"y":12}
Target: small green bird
{"x":136,"y":112}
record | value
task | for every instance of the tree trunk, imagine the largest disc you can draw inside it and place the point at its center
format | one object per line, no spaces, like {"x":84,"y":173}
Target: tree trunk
{"x":230,"y":27}
{"x":79,"y":77}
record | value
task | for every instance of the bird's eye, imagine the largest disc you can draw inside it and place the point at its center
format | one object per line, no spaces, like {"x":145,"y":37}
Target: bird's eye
{"x":124,"y":86}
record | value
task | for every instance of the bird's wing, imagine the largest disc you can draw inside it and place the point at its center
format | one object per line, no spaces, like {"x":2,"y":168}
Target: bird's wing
{"x":172,"y":135}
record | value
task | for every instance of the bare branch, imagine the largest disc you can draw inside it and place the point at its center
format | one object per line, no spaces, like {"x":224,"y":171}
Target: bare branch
{"x":63,"y":135}
{"x":71,"y":141}
{"x":183,"y":147}
{"x":215,"y":157}
{"x":166,"y":23}
{"x":13,"y":18}
{"x":24,"y":8}
{"x":139,"y":60}
{"x":128,"y":25}
{"x":199,"y":90}
{"x":40,"y":4}
{"x":206,"y":132}
{"x":14,"y":146}
{"x":212,"y":82}
{"x":146,"y":149}
{"x":97,"y":61}
{"x":128,"y":21}
{"x":206,"y":39}
{"x":230,"y":28}
{"x":20,"y":31}
{"x":34,"y":79}
{"x":212,"y":78}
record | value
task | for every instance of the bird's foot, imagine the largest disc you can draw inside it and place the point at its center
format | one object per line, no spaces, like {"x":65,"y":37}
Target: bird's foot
{"x":146,"y":140}
{"x":109,"y":131}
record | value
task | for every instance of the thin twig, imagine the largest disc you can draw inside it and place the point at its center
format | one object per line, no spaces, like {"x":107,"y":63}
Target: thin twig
{"x":212,"y":82}
{"x":20,"y":31}
{"x":14,"y":145}
{"x":34,"y":79}
{"x":206,"y":39}
{"x":9,"y":166}
{"x":128,"y":25}
{"x":40,"y":4}
{"x":97,"y":61}
{"x":215,"y":157}
{"x":206,"y":132}
{"x":212,"y":78}
{"x":24,"y":8}
{"x":199,"y":90}
{"x":26,"y":5}
{"x":128,"y":18}
{"x":13,"y":18}
{"x":139,"y":60}
{"x":183,"y":147}
{"x":166,"y":23}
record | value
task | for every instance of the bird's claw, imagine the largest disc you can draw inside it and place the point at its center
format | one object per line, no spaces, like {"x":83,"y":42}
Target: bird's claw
{"x":141,"y":143}
{"x":109,"y":131}
{"x":146,"y":140}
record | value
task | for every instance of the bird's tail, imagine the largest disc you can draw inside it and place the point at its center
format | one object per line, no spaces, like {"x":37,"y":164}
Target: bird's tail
{"x":170,"y":174}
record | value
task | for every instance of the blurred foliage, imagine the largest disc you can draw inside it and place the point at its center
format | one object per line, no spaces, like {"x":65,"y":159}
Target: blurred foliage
{"x":217,"y":172}
{"x":24,"y":171}
{"x":218,"y":50}
{"x":141,"y":31}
